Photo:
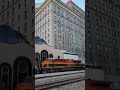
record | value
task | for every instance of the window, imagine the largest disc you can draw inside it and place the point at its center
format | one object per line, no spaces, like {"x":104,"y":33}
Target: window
{"x":19,"y":6}
{"x":86,"y":2}
{"x":58,"y":57}
{"x":25,"y":27}
{"x":7,"y":23}
{"x":13,"y":21}
{"x":111,"y":14}
{"x":3,"y":7}
{"x":110,"y":5}
{"x":87,"y":13}
{"x":102,"y":1}
{"x":18,"y":17}
{"x":33,"y":35}
{"x":88,"y":24}
{"x":25,"y":2}
{"x":97,"y":36}
{"x":8,"y":4}
{"x":32,"y":22}
{"x":100,"y":18}
{"x":25,"y":14}
{"x":96,"y":18}
{"x":45,"y":31}
{"x":98,"y":47}
{"x":2,"y":17}
{"x":95,"y":7}
{"x":32,"y":9}
{"x":18,"y":28}
{"x":13,"y":11}
{"x":96,"y":26}
{"x":89,"y":46}
{"x":8,"y":14}
{"x":50,"y":55}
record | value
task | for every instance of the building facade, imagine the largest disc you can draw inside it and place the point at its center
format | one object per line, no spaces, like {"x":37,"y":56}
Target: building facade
{"x":61,"y":25}
{"x":102,"y":36}
{"x":16,"y":41}
{"x":19,"y":14}
{"x":51,"y":51}
{"x":46,"y":51}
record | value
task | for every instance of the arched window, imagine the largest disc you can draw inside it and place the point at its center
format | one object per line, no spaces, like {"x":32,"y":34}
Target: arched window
{"x":22,"y":67}
{"x":44,"y":55}
{"x":58,"y":57}
{"x":50,"y":55}
{"x":5,"y":75}
{"x":37,"y":57}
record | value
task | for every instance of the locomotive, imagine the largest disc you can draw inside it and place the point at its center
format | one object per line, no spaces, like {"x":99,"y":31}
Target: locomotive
{"x":58,"y":65}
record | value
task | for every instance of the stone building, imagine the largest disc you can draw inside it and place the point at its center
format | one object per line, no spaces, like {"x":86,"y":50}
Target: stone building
{"x":61,"y":25}
{"x":102,"y":34}
{"x":16,"y":41}
{"x":46,"y":51}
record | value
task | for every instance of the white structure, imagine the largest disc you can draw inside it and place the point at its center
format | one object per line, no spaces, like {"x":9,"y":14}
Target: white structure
{"x":68,"y":55}
{"x":62,"y":26}
{"x":55,"y":52}
{"x":39,"y":48}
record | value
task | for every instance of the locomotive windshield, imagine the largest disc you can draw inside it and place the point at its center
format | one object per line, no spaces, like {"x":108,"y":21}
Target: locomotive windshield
{"x":9,"y":35}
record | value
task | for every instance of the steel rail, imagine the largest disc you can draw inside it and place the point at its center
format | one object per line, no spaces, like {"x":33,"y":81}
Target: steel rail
{"x":57,"y":74}
{"x":59,"y":83}
{"x":64,"y":78}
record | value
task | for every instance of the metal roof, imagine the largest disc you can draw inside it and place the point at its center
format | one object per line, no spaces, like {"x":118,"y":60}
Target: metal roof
{"x":39,"y":41}
{"x":9,"y":35}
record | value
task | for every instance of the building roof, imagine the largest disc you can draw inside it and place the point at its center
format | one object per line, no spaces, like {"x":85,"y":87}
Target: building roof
{"x":9,"y":35}
{"x":39,"y":41}
{"x":65,"y":4}
{"x":75,"y":10}
{"x":37,"y":5}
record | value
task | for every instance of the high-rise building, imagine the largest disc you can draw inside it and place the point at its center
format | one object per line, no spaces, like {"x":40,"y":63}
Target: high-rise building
{"x":102,"y":34}
{"x":61,"y":25}
{"x":19,"y":14}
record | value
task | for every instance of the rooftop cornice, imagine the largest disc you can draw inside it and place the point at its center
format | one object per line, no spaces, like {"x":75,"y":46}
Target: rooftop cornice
{"x":48,"y":1}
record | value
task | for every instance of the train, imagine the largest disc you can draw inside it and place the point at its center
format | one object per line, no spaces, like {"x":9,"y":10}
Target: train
{"x":50,"y":65}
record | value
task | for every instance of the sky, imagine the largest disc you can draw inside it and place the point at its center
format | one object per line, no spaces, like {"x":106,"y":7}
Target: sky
{"x":80,"y":3}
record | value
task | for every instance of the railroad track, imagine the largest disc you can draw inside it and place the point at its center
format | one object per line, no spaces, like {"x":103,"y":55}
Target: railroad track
{"x":47,"y":81}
